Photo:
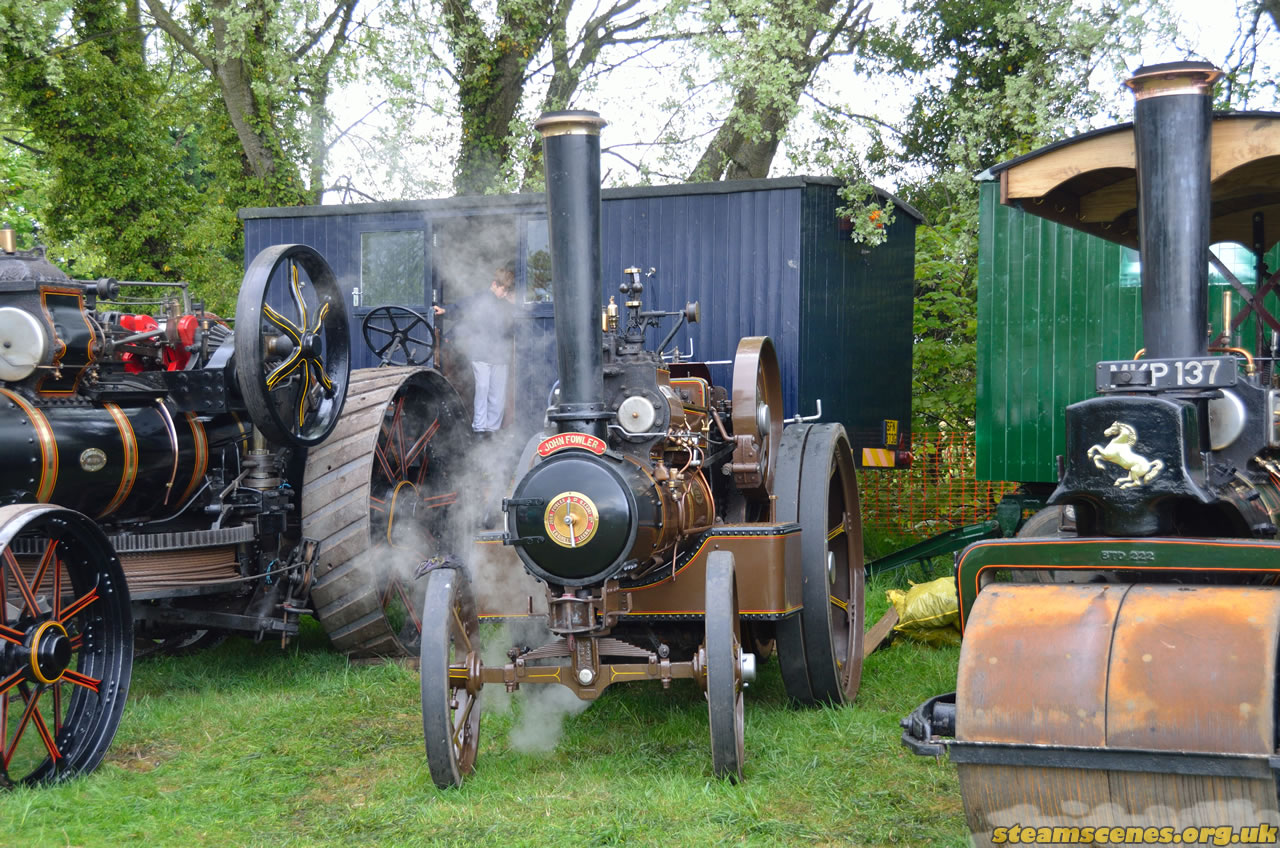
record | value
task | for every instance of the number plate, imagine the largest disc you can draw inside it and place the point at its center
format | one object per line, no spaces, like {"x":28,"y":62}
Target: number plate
{"x":1128,"y":375}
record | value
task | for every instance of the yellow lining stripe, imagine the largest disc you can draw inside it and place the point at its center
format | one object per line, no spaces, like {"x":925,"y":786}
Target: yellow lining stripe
{"x":48,"y":447}
{"x":129,"y":473}
{"x":201,"y":442}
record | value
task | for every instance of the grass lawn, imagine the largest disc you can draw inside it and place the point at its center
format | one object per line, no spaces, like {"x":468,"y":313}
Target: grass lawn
{"x":248,"y":745}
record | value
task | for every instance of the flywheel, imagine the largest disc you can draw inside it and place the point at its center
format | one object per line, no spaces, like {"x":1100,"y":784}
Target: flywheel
{"x":1119,"y":706}
{"x":381,"y":495}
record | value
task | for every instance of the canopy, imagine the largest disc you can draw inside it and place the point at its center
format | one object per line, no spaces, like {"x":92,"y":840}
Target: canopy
{"x":1089,"y":182}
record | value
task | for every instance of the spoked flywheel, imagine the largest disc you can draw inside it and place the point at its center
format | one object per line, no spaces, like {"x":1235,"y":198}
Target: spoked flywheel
{"x":381,"y":495}
{"x":723,"y":666}
{"x":1118,"y":705}
{"x":66,"y":644}
{"x":292,"y":345}
{"x":449,"y":664}
{"x":398,"y":335}
{"x":820,"y":650}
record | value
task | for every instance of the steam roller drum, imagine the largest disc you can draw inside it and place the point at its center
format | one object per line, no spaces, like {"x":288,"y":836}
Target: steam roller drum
{"x":1118,"y":705}
{"x":381,"y":495}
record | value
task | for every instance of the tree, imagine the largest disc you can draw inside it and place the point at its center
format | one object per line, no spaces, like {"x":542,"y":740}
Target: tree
{"x":1016,"y":78}
{"x":769,"y":51}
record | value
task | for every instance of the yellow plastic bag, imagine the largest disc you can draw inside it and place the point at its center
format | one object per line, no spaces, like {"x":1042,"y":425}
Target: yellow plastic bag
{"x":929,"y":611}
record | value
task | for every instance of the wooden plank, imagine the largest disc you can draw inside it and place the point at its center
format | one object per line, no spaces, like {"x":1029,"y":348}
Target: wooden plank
{"x":879,"y":632}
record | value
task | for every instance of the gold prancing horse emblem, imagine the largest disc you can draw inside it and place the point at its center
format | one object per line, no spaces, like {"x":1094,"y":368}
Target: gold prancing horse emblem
{"x":1120,"y":452}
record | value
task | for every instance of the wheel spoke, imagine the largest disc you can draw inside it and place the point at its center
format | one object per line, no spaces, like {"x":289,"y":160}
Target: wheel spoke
{"x":303,"y":397}
{"x":408,"y":605}
{"x":460,"y":725}
{"x":322,"y":377}
{"x":24,"y":589}
{"x":11,"y":681}
{"x":284,"y":369}
{"x":421,"y":444}
{"x":836,"y":531}
{"x":437,"y":501}
{"x":8,"y":634}
{"x":41,"y":569}
{"x":462,"y":630}
{"x":79,"y":605}
{"x":290,"y":329}
{"x":296,"y":288}
{"x":27,"y":714}
{"x":90,"y":683}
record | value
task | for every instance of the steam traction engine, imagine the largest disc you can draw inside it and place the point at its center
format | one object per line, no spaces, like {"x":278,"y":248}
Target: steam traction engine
{"x":152,"y":484}
{"x":1121,"y":670}
{"x":666,"y":516}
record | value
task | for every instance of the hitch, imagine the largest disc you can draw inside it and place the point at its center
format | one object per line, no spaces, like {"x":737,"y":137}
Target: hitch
{"x":931,"y":727}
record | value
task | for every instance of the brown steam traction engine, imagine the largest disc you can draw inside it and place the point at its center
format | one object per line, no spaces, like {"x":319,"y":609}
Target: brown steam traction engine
{"x":1122,"y":671}
{"x":675,"y":525}
{"x":168,"y":479}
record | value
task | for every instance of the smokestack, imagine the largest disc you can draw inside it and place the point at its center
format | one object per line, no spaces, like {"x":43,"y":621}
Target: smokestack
{"x":1171,"y":121}
{"x":571,"y":158}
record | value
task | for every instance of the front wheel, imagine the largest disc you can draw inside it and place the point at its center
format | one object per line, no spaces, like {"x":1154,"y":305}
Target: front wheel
{"x":450,"y":698}
{"x":724,"y":667}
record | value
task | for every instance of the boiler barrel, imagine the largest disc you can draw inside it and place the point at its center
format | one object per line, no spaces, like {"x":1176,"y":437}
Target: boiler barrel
{"x":107,"y":461}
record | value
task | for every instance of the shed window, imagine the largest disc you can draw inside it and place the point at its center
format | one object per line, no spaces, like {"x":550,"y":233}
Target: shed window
{"x":538,"y":264}
{"x":393,"y":267}
{"x":1238,"y":259}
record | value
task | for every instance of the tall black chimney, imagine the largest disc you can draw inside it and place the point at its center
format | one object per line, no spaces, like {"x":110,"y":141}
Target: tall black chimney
{"x":1171,"y":121}
{"x":571,"y":158}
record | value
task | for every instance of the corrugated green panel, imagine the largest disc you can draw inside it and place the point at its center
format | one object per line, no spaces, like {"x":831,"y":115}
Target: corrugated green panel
{"x":1052,"y":302}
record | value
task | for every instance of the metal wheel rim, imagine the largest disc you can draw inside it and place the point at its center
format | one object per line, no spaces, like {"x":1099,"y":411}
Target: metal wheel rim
{"x":293,"y":398}
{"x":421,"y":347}
{"x":61,"y":726}
{"x":724,"y":668}
{"x":789,"y":632}
{"x":450,"y":709}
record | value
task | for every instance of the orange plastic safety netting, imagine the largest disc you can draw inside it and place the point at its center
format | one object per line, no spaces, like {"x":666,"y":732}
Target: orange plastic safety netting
{"x":938,"y":492}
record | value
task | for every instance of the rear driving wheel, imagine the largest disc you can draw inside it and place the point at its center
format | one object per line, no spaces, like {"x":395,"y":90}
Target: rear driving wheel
{"x":382,"y":495}
{"x":824,"y":502}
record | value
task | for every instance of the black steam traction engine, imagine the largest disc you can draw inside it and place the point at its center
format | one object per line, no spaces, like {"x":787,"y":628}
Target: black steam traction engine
{"x":168,"y":479}
{"x":1120,"y":670}
{"x":677,"y":527}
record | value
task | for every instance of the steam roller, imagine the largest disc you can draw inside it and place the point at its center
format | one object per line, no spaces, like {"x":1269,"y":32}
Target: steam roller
{"x":1117,"y":680}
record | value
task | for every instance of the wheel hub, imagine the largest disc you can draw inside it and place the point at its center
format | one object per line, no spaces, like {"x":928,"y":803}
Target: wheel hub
{"x":50,"y":652}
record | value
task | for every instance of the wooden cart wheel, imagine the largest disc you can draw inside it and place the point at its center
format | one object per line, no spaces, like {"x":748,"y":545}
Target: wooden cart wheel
{"x":66,"y":645}
{"x":756,"y":416}
{"x":724,"y":667}
{"x":292,"y":345}
{"x":820,"y":493}
{"x":398,"y":335}
{"x":450,"y":701}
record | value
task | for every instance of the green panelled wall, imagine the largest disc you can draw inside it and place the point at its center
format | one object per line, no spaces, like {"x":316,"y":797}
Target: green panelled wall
{"x":1052,"y":302}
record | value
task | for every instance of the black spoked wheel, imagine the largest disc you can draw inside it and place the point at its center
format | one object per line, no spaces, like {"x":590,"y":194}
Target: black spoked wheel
{"x":382,"y":495}
{"x":398,"y":335}
{"x":724,"y":667}
{"x":66,"y":645}
{"x":450,"y":691}
{"x":292,"y":345}
{"x":821,"y":494}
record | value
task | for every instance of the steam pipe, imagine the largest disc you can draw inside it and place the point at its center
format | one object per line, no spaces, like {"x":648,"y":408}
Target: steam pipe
{"x":571,"y":157}
{"x":1172,"y":119}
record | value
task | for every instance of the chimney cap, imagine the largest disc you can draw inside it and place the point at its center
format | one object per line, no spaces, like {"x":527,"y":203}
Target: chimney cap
{"x":569,"y":122}
{"x":1174,"y":78}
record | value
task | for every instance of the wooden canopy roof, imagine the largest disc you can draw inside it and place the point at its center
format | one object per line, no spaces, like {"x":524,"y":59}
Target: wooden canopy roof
{"x":1089,"y":182}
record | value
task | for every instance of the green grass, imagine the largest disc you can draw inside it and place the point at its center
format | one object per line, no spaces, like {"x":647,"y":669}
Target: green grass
{"x":249,"y":745}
